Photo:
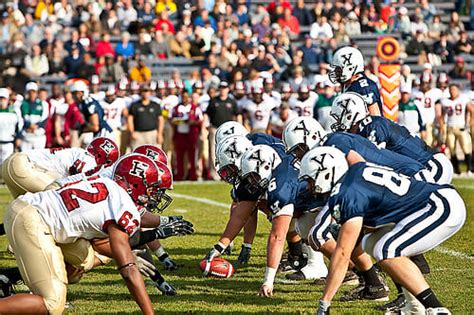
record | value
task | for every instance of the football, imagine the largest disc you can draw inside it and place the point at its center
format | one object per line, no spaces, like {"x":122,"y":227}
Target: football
{"x":217,"y":268}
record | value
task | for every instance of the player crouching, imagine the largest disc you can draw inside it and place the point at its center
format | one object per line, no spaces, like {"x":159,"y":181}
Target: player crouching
{"x":399,"y":216}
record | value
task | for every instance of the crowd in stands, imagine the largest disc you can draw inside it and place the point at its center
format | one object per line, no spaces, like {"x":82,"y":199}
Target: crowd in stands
{"x":274,"y":53}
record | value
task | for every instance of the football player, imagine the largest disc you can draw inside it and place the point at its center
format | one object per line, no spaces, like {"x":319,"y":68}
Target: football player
{"x":268,"y":86}
{"x":457,"y":114}
{"x":304,"y":104}
{"x":96,"y":208}
{"x":350,"y":113}
{"x":399,"y":216}
{"x":347,"y":69}
{"x":115,"y":112}
{"x":33,"y":171}
{"x":257,"y":112}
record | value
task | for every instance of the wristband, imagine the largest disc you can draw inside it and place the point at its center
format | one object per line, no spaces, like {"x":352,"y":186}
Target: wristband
{"x":248,"y":245}
{"x":127,"y":266}
{"x":270,"y":274}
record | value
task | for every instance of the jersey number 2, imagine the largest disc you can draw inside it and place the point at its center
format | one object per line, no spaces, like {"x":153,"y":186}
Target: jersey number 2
{"x":71,"y":195}
{"x":394,"y":182}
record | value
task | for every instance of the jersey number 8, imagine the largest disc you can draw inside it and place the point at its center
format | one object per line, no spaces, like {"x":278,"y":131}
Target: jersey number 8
{"x":397,"y":184}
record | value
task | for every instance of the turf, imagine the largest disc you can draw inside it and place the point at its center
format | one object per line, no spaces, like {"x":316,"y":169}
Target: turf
{"x":102,"y":290}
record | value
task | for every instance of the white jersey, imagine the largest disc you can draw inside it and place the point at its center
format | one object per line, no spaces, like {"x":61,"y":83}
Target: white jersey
{"x":204,"y":102}
{"x":64,"y":162}
{"x":104,"y":172}
{"x":274,"y":96}
{"x":113,"y":112}
{"x":242,"y":103}
{"x":10,"y":125}
{"x":428,"y":101}
{"x":455,"y":110}
{"x":168,"y":104}
{"x":306,"y":107}
{"x":99,"y":96}
{"x":85,"y":209}
{"x":259,"y":115}
{"x":278,"y":124}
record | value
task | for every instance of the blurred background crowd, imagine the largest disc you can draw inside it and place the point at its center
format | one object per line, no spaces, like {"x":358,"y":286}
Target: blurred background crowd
{"x":170,"y":72}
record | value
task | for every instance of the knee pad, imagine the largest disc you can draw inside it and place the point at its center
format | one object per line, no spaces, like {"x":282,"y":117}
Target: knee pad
{"x":421,"y":263}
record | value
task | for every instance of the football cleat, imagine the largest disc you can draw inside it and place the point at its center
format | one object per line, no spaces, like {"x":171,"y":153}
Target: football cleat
{"x":366,"y":292}
{"x":437,"y":311}
{"x":394,"y":306}
{"x":244,"y":255}
{"x":351,"y":278}
{"x":6,"y":286}
{"x":166,"y":288}
{"x":293,"y":263}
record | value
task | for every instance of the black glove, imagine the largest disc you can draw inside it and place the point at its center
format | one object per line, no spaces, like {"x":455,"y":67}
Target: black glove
{"x":166,"y":289}
{"x":215,"y":252}
{"x":174,"y":228}
{"x":168,"y":262}
{"x":323,"y":308}
{"x":244,"y":255}
{"x":166,"y":220}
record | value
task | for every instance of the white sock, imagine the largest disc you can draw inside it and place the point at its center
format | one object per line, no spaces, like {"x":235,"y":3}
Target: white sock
{"x":315,"y":268}
{"x":159,"y":252}
{"x":413,"y":306}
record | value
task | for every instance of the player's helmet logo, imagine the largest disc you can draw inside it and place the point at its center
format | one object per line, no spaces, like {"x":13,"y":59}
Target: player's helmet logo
{"x":232,"y":150}
{"x":138,"y":169}
{"x":302,"y":126}
{"x":229,"y":131}
{"x":319,"y":159}
{"x":107,"y":146}
{"x":346,"y":59}
{"x":151,"y":154}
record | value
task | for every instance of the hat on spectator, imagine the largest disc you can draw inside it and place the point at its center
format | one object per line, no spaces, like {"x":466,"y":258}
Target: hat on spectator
{"x":161,"y":84}
{"x":171,"y":84}
{"x":110,"y":90}
{"x":4,"y":93}
{"x":79,"y":86}
{"x":459,"y":59}
{"x":31,"y":86}
{"x":5,"y":14}
{"x":95,"y":79}
{"x":239,"y":85}
{"x":198,"y":85}
{"x":261,"y":48}
{"x":276,"y":26}
{"x":223,"y":85}
{"x":402,"y":11}
{"x":405,"y":88}
{"x":286,"y":87}
{"x":328,"y":83}
{"x":134,"y":86}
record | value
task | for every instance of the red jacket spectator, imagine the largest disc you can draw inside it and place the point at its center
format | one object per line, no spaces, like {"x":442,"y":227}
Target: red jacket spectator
{"x":164,"y":20}
{"x":275,"y":6}
{"x":104,"y":47}
{"x":290,"y":22}
{"x":187,"y":121}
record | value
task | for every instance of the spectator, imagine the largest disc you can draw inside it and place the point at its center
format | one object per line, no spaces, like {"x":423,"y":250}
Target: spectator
{"x":140,"y":73}
{"x":459,"y":71}
{"x":56,"y":62}
{"x":87,"y":69}
{"x":125,"y":48}
{"x":464,"y":44}
{"x":418,"y":26}
{"x":111,"y":23}
{"x":74,"y":42}
{"x":321,"y":29}
{"x":288,"y":21}
{"x":241,"y":14}
{"x":220,"y":110}
{"x":145,"y":122}
{"x":143,"y":46}
{"x":126,"y":14}
{"x":263,"y":28}
{"x":436,"y":27}
{"x":36,"y":64}
{"x":302,"y":14}
{"x":160,"y":47}
{"x":179,"y":46}
{"x":407,"y":78}
{"x":311,"y":53}
{"x":203,"y":18}
{"x":455,"y":26}
{"x":276,"y":8}
{"x":428,"y":10}
{"x":352,"y":25}
{"x":104,"y":47}
{"x":112,"y":71}
{"x":146,"y":16}
{"x":163,"y":21}
{"x":166,"y":5}
{"x":187,"y":120}
{"x":417,"y":45}
{"x":32,"y":30}
{"x":34,"y":113}
{"x":73,"y":62}
{"x":444,"y":49}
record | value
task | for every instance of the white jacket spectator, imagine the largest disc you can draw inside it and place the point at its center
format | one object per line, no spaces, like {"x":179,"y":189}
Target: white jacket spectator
{"x":321,"y":29}
{"x":352,"y":25}
{"x":37,"y":64}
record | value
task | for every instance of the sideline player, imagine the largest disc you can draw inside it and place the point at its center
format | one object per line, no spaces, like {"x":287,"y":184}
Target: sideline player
{"x":400,"y":217}
{"x":347,"y":69}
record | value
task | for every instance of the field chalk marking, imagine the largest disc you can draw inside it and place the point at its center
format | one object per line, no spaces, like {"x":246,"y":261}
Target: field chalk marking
{"x":453,"y":253}
{"x":202,"y":200}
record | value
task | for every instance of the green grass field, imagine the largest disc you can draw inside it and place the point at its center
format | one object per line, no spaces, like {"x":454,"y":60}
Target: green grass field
{"x":102,"y":290}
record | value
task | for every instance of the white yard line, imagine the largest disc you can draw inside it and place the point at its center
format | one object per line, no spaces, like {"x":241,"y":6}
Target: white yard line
{"x":202,"y":200}
{"x":453,"y":253}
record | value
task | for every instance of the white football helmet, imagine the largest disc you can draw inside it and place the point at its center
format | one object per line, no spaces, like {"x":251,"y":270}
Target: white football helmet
{"x":348,"y":109}
{"x":301,"y":135}
{"x":230,"y":128}
{"x":346,"y":62}
{"x":322,"y":168}
{"x":257,"y":165}
{"x":229,"y":152}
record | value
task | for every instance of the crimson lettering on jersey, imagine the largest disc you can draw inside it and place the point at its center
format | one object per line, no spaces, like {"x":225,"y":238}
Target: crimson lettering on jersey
{"x":71,"y":195}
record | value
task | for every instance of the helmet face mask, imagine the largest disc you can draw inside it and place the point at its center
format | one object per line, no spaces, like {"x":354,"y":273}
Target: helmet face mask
{"x":254,"y":183}
{"x":299,"y":150}
{"x":158,"y":201}
{"x":228,"y":157}
{"x":347,"y":62}
{"x":229,"y":173}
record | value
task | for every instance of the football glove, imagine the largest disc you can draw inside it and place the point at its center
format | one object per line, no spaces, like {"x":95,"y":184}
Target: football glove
{"x":145,"y":267}
{"x":175,"y":228}
{"x":168,"y":262}
{"x":215,"y":252}
{"x":166,"y":288}
{"x":166,"y":220}
{"x":244,"y":255}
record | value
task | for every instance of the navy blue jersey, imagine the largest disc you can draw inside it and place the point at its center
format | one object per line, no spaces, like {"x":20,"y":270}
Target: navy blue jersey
{"x":379,"y":195}
{"x":89,"y":107}
{"x":347,"y":142}
{"x":381,"y":130}
{"x":284,"y":189}
{"x":275,"y":143}
{"x":367,"y":88}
